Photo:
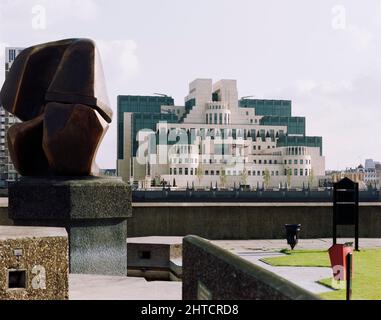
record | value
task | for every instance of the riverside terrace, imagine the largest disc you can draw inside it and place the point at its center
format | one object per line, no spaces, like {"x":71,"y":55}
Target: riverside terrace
{"x":244,"y":195}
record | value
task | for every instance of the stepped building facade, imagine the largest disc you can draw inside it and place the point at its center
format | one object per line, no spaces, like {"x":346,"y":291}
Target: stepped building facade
{"x":215,"y":139}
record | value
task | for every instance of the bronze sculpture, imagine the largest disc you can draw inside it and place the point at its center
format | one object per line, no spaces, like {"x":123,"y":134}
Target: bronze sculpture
{"x":57,"y":90}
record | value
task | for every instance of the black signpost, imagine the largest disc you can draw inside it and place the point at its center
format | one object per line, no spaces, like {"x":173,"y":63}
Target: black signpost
{"x":349,"y":276}
{"x":346,"y":207}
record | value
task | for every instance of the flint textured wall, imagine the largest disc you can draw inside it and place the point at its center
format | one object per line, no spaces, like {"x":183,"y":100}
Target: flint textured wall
{"x":42,"y":255}
{"x":210,"y":272}
{"x":245,"y":220}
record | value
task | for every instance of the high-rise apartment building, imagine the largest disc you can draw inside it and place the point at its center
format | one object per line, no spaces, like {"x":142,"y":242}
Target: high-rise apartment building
{"x":215,"y":139}
{"x":7,"y":170}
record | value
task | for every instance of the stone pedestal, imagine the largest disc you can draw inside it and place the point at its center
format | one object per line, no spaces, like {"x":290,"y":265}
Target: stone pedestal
{"x":93,"y":210}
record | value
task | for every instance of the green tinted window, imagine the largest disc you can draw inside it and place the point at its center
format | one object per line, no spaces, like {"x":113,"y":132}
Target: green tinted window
{"x":292,"y":141}
{"x":295,"y":125}
{"x":281,"y":108}
{"x":150,"y":107}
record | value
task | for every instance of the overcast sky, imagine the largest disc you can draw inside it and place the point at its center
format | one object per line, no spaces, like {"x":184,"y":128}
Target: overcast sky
{"x":323,"y":55}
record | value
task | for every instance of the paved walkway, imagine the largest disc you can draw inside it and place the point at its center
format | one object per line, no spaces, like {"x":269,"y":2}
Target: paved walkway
{"x":305,"y":277}
{"x":276,"y":245}
{"x":94,"y":287}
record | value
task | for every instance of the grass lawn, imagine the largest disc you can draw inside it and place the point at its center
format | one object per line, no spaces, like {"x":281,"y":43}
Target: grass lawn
{"x":366,"y":283}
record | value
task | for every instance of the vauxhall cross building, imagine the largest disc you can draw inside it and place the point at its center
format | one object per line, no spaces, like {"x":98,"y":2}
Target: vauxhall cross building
{"x":215,"y":139}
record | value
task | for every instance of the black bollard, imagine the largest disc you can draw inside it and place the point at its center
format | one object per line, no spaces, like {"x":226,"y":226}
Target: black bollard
{"x":292,"y":231}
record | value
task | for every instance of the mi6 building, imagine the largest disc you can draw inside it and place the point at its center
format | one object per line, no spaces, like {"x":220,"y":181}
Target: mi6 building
{"x":215,"y":138}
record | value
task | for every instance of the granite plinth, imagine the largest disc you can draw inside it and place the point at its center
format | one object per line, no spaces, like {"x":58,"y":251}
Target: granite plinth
{"x":69,"y":198}
{"x":93,"y":210}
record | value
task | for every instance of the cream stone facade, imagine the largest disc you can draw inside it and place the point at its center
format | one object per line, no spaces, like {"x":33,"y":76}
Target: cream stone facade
{"x":217,"y":142}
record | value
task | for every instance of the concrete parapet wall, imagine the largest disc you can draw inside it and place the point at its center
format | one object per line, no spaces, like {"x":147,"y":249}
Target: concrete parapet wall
{"x":212,"y":273}
{"x":219,"y":221}
{"x":246,"y":220}
{"x":154,"y":257}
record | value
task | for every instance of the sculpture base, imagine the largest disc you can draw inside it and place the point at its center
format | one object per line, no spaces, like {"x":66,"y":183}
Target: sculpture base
{"x":93,"y":210}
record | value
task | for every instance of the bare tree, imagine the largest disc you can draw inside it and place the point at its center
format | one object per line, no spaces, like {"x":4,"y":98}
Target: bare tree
{"x":200,"y":173}
{"x":311,"y":178}
{"x":223,"y":177}
{"x":289,"y":173}
{"x":243,"y":177}
{"x":266,"y":178}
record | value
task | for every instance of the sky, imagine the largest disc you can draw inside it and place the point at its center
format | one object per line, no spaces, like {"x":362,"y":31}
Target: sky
{"x":323,"y":55}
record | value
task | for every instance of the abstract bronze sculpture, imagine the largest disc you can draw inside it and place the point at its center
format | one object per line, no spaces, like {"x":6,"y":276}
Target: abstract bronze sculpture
{"x":57,"y":90}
